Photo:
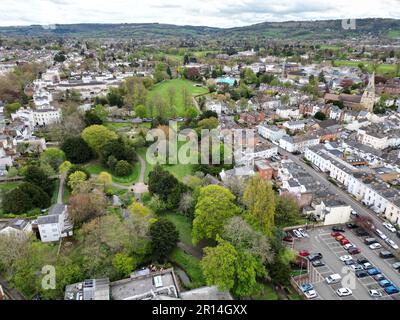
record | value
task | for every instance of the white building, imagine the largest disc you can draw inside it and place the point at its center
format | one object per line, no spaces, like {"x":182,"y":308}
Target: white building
{"x":288,"y":113}
{"x":294,"y":125}
{"x":19,"y":227}
{"x":272,"y":133}
{"x":42,"y":117}
{"x":298,"y":143}
{"x":55,"y":225}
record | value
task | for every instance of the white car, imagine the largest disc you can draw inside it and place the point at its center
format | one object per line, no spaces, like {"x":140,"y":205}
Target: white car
{"x":381,"y":234}
{"x":375,"y":293}
{"x":344,"y":292}
{"x":311,"y":294}
{"x":348,"y":246}
{"x":375,"y":246}
{"x":367,"y":266}
{"x":303,"y":233}
{"x":388,"y":226}
{"x":346,"y":258}
{"x":392,"y":244}
{"x":297,"y":234}
{"x":356,"y":267}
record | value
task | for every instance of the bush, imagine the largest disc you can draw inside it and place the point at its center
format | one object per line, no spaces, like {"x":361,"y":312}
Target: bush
{"x":123,"y":168}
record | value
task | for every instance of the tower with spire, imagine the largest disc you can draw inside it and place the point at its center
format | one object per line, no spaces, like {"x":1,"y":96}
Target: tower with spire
{"x":368,"y":97}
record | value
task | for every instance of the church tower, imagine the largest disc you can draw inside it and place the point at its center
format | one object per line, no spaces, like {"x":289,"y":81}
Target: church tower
{"x":368,"y":97}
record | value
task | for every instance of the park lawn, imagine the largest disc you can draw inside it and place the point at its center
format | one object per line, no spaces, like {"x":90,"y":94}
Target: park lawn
{"x":118,"y":126}
{"x":191,"y":265}
{"x":178,"y":170}
{"x":95,"y":168}
{"x":394,"y":34}
{"x":183,"y":225}
{"x":178,"y":84}
{"x":382,"y":68}
{"x":8,"y":186}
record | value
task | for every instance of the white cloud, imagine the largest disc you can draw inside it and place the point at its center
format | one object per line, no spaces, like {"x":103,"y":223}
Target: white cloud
{"x":218,"y":13}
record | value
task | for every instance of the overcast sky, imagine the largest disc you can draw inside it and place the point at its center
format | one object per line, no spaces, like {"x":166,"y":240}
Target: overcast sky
{"x":216,"y":13}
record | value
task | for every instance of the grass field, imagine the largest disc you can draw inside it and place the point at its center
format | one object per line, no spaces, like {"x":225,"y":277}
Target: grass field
{"x":266,"y":293}
{"x":96,"y":168}
{"x":394,"y":34}
{"x":191,"y":265}
{"x":382,"y":68}
{"x":183,"y":225}
{"x":162,"y":89}
{"x":178,"y":170}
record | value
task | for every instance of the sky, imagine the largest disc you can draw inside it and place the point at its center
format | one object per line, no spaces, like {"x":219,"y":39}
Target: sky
{"x":214,"y":13}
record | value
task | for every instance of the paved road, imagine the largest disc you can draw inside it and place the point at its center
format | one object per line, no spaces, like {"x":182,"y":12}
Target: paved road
{"x":357,"y":206}
{"x":61,"y":190}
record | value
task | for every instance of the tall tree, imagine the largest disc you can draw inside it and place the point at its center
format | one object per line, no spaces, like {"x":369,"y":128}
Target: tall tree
{"x":259,"y":199}
{"x":214,"y":207}
{"x":164,"y":237}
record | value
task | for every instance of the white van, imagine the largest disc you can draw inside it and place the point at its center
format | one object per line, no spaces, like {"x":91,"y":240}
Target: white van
{"x":333,"y":278}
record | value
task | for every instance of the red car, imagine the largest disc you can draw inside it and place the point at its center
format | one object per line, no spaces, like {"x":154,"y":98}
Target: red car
{"x":354,"y":251}
{"x":344,"y":241}
{"x":335,"y":234}
{"x":304,"y":253}
{"x":288,"y":239}
{"x":339,"y":238}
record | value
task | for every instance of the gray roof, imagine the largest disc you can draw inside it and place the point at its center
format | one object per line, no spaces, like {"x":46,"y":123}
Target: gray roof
{"x":57,"y":209}
{"x":48,"y":219}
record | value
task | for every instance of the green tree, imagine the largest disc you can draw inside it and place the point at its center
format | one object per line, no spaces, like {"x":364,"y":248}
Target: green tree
{"x":287,"y":211}
{"x":320,"y":116}
{"x":77,"y":150}
{"x":53,"y":156}
{"x":37,"y":176}
{"x":164,"y":237}
{"x":141,"y":111}
{"x":214,"y":207}
{"x":98,"y":136}
{"x":123,"y":264}
{"x":75,"y":179}
{"x":259,"y":198}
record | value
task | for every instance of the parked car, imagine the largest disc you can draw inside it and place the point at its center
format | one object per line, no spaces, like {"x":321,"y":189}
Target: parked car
{"x":333,"y":278}
{"x":373,"y":271}
{"x":303,"y":233}
{"x":288,"y":238}
{"x":389,"y":226}
{"x":338,"y":238}
{"x":348,"y":246}
{"x":335,"y":234}
{"x":304,"y":253}
{"x":349,"y":262}
{"x":361,"y":274}
{"x":392,"y":290}
{"x":344,"y":242}
{"x":392,"y":244}
{"x":318,"y":263}
{"x":398,"y":233}
{"x":344,"y":292}
{"x":386,"y":254}
{"x":351,"y":225}
{"x":311,"y":294}
{"x":369,"y":241}
{"x":375,"y":246}
{"x":367,"y":266}
{"x":354,"y":213}
{"x":345,"y":258}
{"x":356,"y":267}
{"x":354,"y":251}
{"x":379,"y":277}
{"x":375,"y":293}
{"x":315,"y":256}
{"x":297,"y":234}
{"x":396,"y":265}
{"x":338,"y":229}
{"x":362,"y":260}
{"x":306,"y":287}
{"x":381,"y":234}
{"x":385,"y":283}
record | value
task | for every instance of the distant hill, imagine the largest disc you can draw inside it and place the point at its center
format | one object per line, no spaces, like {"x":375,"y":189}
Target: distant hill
{"x":325,"y":29}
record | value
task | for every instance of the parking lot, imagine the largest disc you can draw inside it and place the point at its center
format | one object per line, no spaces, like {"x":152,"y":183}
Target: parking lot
{"x":321,"y":241}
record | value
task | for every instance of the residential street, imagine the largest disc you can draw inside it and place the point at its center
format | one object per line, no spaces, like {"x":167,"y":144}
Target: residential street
{"x":358,"y":207}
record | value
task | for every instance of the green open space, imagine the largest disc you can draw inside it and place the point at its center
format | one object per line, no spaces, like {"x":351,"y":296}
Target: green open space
{"x":163,"y":88}
{"x":191,"y":265}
